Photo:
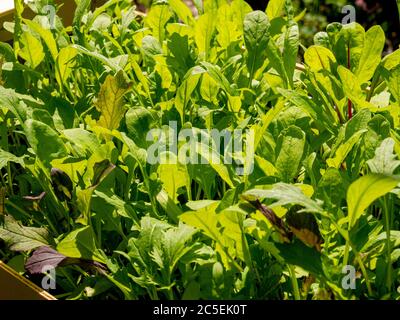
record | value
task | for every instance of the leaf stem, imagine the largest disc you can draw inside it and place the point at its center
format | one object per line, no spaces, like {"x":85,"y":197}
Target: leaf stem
{"x":387,"y":218}
{"x":295,"y":284}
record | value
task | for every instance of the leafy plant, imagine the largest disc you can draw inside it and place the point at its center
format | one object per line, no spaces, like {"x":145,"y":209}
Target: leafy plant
{"x":313,"y":190}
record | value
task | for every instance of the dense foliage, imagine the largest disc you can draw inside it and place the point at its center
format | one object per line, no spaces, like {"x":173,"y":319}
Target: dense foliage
{"x":76,"y":107}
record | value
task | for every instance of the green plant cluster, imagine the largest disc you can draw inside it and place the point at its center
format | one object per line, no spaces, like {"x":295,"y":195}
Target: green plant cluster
{"x":77,"y":104}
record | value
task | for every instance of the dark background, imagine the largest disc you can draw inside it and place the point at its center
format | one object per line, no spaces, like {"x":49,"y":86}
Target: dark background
{"x":368,"y":13}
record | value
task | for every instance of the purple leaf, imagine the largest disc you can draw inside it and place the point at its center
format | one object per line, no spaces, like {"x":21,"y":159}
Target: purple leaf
{"x":45,"y":258}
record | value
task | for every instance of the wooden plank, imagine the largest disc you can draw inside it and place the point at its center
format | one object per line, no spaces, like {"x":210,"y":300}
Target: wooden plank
{"x":13,"y":286}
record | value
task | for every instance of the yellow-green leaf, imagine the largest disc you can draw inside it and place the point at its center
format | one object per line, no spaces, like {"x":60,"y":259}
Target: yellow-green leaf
{"x":32,"y":50}
{"x":157,"y":18}
{"x":371,"y":55}
{"x":65,"y":63}
{"x":366,"y":190}
{"x":274,"y":8}
{"x":319,"y":58}
{"x":110,"y":101}
{"x":46,"y":35}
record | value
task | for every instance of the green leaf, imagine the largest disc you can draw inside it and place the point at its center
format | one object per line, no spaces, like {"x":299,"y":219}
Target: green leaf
{"x":157,"y":18}
{"x":266,"y":120}
{"x":352,"y":88}
{"x":350,"y":43}
{"x":173,"y":176}
{"x":208,"y":88}
{"x":81,"y":244}
{"x":182,"y":11}
{"x":184,"y":92}
{"x":45,"y":142}
{"x":215,"y":161}
{"x":110,"y":101}
{"x":303,"y":102}
{"x":17,"y":103}
{"x":290,"y":153}
{"x":65,"y":64}
{"x":240,"y":9}
{"x":290,"y":50}
{"x":299,"y":254}
{"x":6,"y":157}
{"x":366,"y":190}
{"x":371,"y":54}
{"x":20,"y":238}
{"x":203,"y":33}
{"x":32,"y":50}
{"x":286,"y":194}
{"x":276,"y":61}
{"x":256,"y":36}
{"x":142,"y":79}
{"x":344,"y":149}
{"x":384,"y":161}
{"x":169,"y":205}
{"x":84,"y":140}
{"x":319,"y":58}
{"x":46,"y":35}
{"x":275,"y":8}
{"x":394,"y":83}
{"x":206,"y":220}
{"x":139,"y":121}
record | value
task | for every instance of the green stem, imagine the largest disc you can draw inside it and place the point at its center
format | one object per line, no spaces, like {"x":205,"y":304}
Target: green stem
{"x":365,"y":274}
{"x":295,"y":284}
{"x":388,"y":244}
{"x":346,"y":253}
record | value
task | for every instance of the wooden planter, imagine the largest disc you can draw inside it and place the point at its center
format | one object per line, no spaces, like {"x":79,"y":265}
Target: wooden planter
{"x":66,"y":13}
{"x":15,"y":287}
